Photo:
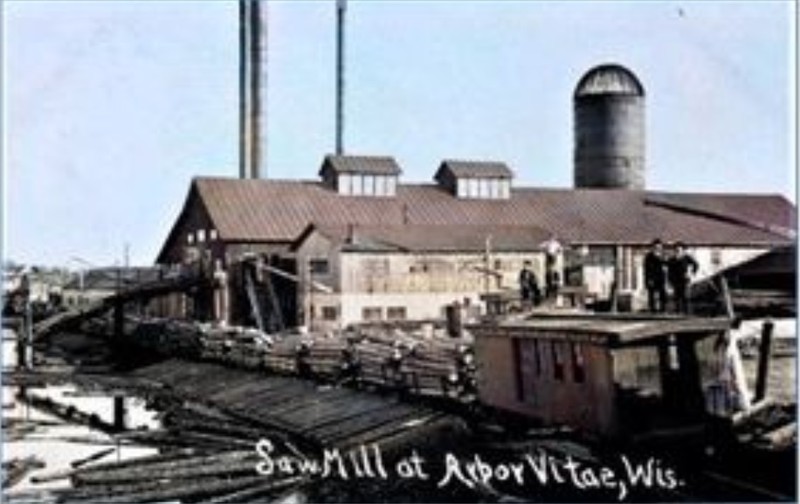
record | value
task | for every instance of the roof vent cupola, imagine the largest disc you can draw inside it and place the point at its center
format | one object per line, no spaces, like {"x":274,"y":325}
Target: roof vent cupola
{"x":475,"y":179}
{"x":361,"y":175}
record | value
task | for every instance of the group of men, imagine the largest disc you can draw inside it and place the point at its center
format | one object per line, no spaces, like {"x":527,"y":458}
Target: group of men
{"x":528,"y":283}
{"x":676,"y":269}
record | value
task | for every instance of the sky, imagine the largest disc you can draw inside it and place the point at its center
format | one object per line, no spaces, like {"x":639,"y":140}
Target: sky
{"x":111,"y":107}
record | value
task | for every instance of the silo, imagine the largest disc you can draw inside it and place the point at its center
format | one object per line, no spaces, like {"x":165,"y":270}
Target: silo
{"x":609,"y":129}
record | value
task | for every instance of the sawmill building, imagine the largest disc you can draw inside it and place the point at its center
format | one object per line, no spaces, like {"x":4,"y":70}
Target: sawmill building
{"x":359,"y":244}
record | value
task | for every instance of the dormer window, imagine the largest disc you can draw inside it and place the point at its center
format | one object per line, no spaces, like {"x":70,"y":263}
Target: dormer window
{"x":475,"y":179}
{"x":361,"y":175}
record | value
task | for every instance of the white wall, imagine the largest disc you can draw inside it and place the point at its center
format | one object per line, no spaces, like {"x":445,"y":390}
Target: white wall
{"x":418,"y":306}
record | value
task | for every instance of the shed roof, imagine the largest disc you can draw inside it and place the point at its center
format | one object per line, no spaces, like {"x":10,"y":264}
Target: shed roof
{"x":619,"y":330}
{"x":277,"y":211}
{"x":428,"y":238}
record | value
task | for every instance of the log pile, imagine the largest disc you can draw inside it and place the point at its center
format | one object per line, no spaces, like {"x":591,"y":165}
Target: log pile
{"x":15,"y":469}
{"x":385,"y":356}
{"x":185,"y":475}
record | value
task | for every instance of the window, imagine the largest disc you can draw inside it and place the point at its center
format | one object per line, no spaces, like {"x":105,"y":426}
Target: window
{"x":201,"y":235}
{"x":504,"y":189}
{"x":472,"y":191}
{"x":344,"y":183}
{"x":318,"y":266}
{"x":558,"y":360}
{"x":190,"y":238}
{"x":391,"y":185}
{"x":461,"y":188}
{"x":396,"y":313}
{"x":213,"y":235}
{"x":578,"y":364}
{"x":357,"y":185}
{"x":330,"y":313}
{"x":494,"y":188}
{"x":498,"y":264}
{"x":369,"y":185}
{"x":372,"y":313}
{"x":483,"y":188}
{"x":380,"y":185}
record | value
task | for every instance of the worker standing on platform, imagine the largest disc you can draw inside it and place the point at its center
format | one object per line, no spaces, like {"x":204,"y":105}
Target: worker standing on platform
{"x":680,"y":269}
{"x":552,"y":278}
{"x":655,"y":278}
{"x":528,"y":285}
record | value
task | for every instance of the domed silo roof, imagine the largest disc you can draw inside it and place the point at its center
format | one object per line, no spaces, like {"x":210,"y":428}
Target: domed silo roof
{"x":609,"y":79}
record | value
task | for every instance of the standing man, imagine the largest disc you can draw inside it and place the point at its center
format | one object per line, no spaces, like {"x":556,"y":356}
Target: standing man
{"x":655,"y":278}
{"x":551,"y":278}
{"x":680,"y":268}
{"x":528,"y":285}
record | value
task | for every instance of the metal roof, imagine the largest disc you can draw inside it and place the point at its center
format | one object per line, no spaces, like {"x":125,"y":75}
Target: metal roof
{"x":279,"y":210}
{"x":432,"y":238}
{"x":609,"y":79}
{"x":373,"y":165}
{"x":474,"y":169}
{"x":608,"y":329}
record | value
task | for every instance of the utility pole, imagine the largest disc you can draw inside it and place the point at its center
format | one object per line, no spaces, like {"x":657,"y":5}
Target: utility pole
{"x":341,"y":7}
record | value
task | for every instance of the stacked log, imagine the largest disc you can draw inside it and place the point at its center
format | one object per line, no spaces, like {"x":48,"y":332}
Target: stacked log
{"x":325,"y":356}
{"x":218,"y":476}
{"x":421,"y":360}
{"x":16,"y":469}
{"x":282,"y":355}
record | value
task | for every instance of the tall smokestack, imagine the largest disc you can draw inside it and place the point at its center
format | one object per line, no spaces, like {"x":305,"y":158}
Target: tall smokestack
{"x":252,"y":88}
{"x":341,"y":7}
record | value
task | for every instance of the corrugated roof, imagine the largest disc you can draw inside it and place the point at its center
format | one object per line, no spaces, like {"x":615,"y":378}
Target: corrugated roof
{"x":433,"y":238}
{"x":375,"y":165}
{"x":278,"y":211}
{"x":760,"y":211}
{"x":474,"y":169}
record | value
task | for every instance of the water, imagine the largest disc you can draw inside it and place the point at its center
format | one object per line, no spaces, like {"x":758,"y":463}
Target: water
{"x":782,"y":376}
{"x":61,"y":444}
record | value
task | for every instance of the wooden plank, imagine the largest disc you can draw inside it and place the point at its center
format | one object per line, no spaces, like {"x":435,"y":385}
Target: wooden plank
{"x":364,"y":421}
{"x":394,"y":433}
{"x":363,"y":406}
{"x":323,"y":406}
{"x":303,"y":403}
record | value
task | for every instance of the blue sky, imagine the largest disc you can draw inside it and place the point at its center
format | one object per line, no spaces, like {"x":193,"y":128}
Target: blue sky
{"x":111,"y":107}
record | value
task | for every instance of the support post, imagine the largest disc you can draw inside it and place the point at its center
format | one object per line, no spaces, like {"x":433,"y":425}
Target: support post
{"x":27,"y":347}
{"x":119,"y":319}
{"x":763,"y":360}
{"x":119,"y":309}
{"x":726,"y":297}
{"x":120,"y":414}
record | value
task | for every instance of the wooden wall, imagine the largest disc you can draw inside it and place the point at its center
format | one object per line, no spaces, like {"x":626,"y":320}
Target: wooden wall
{"x":511,"y":378}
